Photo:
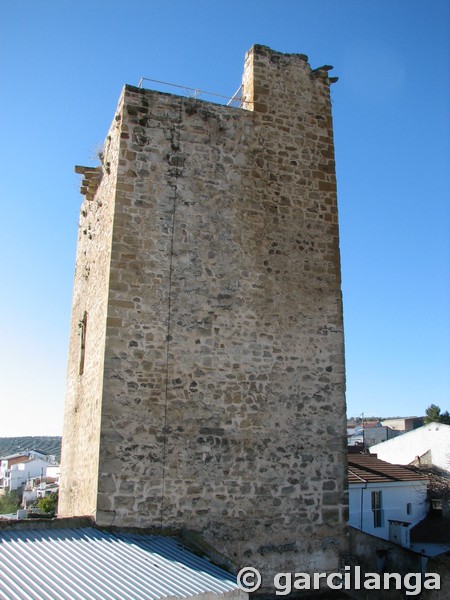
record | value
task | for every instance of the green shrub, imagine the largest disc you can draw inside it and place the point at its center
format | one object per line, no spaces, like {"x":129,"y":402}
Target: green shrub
{"x":9,"y":502}
{"x":48,"y":503}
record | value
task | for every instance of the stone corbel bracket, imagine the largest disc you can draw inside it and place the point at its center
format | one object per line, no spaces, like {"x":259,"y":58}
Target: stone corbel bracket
{"x":92,"y":177}
{"x":322,"y":73}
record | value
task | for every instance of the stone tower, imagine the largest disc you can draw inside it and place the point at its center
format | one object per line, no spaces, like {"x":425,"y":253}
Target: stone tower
{"x":206,"y":385}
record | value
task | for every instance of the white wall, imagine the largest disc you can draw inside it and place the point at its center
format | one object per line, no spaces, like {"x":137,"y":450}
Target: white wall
{"x":53,"y":471}
{"x":20,"y":472}
{"x":29,"y":497}
{"x":403,"y":449}
{"x":395,"y":496}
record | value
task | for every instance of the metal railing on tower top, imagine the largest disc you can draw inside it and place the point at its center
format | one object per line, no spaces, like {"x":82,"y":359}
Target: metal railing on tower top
{"x":234,"y":100}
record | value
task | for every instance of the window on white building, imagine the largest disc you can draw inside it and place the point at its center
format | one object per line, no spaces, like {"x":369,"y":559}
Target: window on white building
{"x":377,"y":509}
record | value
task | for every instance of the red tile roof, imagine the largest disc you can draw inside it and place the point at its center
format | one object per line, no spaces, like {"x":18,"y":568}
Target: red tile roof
{"x":16,"y":459}
{"x":370,"y":424}
{"x":367,"y":468}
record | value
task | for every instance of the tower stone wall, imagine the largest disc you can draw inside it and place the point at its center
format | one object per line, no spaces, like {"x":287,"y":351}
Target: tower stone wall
{"x":206,"y":385}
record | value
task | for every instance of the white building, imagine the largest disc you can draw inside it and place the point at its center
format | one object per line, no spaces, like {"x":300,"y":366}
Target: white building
{"x":38,"y":487}
{"x":355,"y":436}
{"x":385,"y":500}
{"x":16,"y":469}
{"x":433,"y":438}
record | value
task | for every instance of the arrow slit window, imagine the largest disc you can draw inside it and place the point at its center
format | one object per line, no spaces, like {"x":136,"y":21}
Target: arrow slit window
{"x":82,"y":324}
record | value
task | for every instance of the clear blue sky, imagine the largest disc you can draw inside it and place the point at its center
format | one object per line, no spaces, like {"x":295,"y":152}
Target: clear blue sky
{"x":62,"y":66}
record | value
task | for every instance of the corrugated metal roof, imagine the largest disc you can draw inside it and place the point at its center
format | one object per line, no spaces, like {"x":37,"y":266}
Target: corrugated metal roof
{"x":366,"y":468}
{"x":86,"y":563}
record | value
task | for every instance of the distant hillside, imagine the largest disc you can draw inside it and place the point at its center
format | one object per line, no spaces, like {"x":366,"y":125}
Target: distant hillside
{"x":45,"y":444}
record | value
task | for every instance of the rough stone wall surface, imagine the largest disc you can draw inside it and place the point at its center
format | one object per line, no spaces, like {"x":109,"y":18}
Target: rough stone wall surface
{"x":222,"y":395}
{"x":81,"y":434}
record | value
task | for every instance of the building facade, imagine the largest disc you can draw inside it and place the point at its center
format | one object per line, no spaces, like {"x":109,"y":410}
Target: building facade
{"x":385,"y":499}
{"x":206,"y":384}
{"x":17,"y":469}
{"x":403,"y":424}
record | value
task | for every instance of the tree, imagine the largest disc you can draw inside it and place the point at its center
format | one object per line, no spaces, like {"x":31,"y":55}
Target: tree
{"x":434,"y":415}
{"x":9,"y":502}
